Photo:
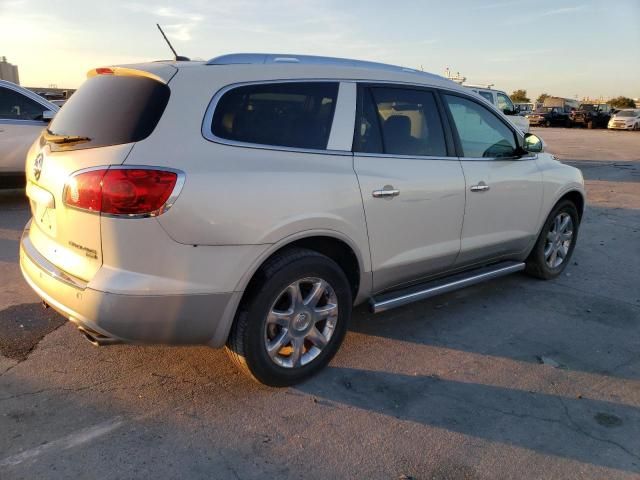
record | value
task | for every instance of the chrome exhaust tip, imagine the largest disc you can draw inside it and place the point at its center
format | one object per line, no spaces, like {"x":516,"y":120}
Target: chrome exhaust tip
{"x":96,"y":338}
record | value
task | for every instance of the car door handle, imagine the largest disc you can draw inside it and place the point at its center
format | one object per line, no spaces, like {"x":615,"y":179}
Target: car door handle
{"x":387,"y":192}
{"x":481,"y":187}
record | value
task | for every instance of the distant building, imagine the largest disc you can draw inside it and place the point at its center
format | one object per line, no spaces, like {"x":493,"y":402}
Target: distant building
{"x":8,"y":71}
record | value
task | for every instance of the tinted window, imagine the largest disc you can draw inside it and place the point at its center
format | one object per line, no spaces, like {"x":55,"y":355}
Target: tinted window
{"x":111,"y":109}
{"x":295,"y":115}
{"x":368,"y":137}
{"x":488,"y":96}
{"x":15,"y":106}
{"x":481,"y":133}
{"x":407,"y":119}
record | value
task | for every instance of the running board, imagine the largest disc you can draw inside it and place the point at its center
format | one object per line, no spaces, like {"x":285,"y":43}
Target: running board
{"x":398,"y":298}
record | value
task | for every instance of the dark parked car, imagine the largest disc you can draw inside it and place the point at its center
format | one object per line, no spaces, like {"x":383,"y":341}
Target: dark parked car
{"x":591,"y":115}
{"x":549,"y":117}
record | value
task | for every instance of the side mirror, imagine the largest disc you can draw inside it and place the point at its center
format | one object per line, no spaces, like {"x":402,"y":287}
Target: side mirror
{"x":48,"y":115}
{"x":532,"y":143}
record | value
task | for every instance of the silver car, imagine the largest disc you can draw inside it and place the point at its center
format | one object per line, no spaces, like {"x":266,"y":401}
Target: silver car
{"x":23,"y":116}
{"x":252,"y":200}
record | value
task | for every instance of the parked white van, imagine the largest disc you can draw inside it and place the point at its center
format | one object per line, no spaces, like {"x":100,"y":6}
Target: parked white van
{"x":252,"y":200}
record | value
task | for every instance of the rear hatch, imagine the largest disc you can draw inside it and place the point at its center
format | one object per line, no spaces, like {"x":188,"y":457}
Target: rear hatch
{"x":96,"y":129}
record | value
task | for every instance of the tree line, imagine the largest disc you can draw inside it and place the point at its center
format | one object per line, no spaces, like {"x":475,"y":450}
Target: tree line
{"x":520,"y":96}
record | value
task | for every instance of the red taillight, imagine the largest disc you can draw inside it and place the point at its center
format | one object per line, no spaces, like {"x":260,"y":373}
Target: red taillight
{"x":104,"y":71}
{"x":134,"y":191}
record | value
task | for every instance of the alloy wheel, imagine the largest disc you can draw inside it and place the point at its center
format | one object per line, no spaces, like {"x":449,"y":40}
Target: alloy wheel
{"x":559,"y":240}
{"x":301,"y":322}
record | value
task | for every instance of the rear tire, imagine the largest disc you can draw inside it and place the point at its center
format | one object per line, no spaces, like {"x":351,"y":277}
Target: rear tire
{"x":554,"y":247}
{"x":293,"y":320}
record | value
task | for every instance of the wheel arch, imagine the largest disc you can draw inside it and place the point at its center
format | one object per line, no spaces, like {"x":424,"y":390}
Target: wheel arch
{"x":333,"y":244}
{"x":576,"y":197}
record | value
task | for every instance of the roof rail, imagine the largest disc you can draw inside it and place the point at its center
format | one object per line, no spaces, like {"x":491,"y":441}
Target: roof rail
{"x":267,"y":58}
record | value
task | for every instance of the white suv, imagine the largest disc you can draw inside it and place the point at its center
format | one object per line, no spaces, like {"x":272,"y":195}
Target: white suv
{"x":252,"y":200}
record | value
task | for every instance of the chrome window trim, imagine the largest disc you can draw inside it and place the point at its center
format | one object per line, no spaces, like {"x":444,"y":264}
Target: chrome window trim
{"x":405,"y":157}
{"x":177,"y":188}
{"x":17,"y":121}
{"x":498,"y":159}
{"x":207,"y":131}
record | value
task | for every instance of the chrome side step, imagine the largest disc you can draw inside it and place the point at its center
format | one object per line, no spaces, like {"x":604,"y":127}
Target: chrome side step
{"x":398,"y":298}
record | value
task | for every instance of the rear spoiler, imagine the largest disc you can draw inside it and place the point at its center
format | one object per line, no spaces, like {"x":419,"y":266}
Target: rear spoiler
{"x":160,"y":72}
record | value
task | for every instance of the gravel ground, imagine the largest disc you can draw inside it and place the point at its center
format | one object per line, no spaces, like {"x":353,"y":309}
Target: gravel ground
{"x":516,"y":378}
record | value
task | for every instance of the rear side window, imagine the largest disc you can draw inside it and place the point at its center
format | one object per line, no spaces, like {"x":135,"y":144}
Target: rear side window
{"x":400,"y":121}
{"x":487,"y":96}
{"x":111,"y":110}
{"x":15,"y":106}
{"x":297,"y":115}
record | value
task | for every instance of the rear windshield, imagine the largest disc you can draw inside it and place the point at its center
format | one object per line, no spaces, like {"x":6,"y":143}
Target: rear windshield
{"x":111,"y":110}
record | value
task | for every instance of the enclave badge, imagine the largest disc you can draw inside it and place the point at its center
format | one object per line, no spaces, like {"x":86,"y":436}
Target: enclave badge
{"x":37,"y":166}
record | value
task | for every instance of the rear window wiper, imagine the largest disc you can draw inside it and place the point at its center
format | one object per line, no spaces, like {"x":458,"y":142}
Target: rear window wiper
{"x":55,"y":138}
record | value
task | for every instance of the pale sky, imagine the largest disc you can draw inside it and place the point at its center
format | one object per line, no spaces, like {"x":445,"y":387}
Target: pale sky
{"x":563,"y":47}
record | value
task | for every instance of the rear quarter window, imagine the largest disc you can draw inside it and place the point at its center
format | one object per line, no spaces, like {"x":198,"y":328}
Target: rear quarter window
{"x":111,"y":110}
{"x":295,"y":114}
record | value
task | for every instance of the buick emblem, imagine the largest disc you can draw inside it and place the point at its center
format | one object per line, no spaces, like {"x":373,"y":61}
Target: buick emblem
{"x":37,"y":166}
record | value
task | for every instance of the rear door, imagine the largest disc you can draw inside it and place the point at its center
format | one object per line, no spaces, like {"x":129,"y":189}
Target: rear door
{"x":504,"y":191}
{"x":96,"y":128}
{"x":412,"y":189}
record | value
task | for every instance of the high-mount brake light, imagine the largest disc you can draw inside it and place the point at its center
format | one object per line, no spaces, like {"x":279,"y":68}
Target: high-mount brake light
{"x":121,"y":191}
{"x":104,"y":71}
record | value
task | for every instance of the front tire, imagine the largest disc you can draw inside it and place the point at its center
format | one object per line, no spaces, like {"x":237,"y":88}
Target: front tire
{"x":293,"y":320}
{"x":556,"y":242}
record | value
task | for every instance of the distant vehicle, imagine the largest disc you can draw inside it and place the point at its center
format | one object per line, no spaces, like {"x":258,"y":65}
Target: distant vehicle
{"x":591,"y":115}
{"x":524,"y":108}
{"x":269,"y":164}
{"x":59,"y":103}
{"x":549,"y":117}
{"x":627,"y":119}
{"x":501,"y":100}
{"x":23,"y":115}
{"x":566,"y":104}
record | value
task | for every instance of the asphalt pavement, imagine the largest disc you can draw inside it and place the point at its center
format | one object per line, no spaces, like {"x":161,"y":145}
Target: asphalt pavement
{"x":516,"y":378}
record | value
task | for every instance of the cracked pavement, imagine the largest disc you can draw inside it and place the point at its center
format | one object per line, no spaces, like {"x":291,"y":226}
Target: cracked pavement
{"x":516,"y":378}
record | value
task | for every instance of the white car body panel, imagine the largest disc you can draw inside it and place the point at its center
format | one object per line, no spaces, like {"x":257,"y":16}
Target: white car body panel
{"x":241,"y":203}
{"x":16,"y":136}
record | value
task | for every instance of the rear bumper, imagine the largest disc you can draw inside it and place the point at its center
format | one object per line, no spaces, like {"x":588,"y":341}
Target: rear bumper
{"x":166,"y":319}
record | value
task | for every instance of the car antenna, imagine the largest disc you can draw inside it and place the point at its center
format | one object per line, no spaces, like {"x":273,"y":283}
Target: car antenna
{"x":178,"y":58}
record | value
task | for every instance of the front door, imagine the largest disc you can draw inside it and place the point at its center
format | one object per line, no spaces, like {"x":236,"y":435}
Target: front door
{"x":412,"y":190}
{"x":504,"y":190}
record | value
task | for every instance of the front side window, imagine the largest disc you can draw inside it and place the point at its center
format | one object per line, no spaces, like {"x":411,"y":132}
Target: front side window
{"x":401,"y":122}
{"x":15,"y":106}
{"x":481,"y":133}
{"x":297,"y":115}
{"x":505,"y":103}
